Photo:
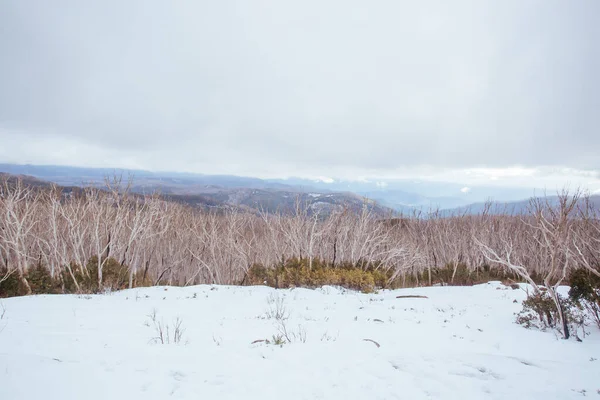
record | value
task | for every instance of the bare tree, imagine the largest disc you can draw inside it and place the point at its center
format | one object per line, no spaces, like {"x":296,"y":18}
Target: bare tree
{"x":19,"y":215}
{"x":552,"y":230}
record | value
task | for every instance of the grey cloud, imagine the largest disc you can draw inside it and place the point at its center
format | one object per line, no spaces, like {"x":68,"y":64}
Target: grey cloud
{"x":311,"y":85}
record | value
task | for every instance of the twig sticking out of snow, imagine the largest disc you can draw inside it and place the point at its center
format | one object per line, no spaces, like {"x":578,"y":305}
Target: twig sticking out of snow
{"x":277,"y":309}
{"x":164,"y":333}
{"x":412,"y":296}
{"x":372,"y":341}
{"x":2,"y":314}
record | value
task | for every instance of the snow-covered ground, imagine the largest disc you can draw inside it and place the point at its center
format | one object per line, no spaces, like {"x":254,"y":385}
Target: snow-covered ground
{"x":459,"y":343}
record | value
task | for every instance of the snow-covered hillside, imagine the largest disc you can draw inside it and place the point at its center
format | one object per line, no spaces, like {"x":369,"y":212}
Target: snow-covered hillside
{"x":458,"y":343}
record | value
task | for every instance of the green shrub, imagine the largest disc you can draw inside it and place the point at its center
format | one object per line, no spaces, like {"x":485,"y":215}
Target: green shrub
{"x":114,"y":275}
{"x":42,"y":282}
{"x":258,"y":275}
{"x":540,"y":312}
{"x":381,"y":279}
{"x":12,"y":285}
{"x":584,"y":286}
{"x":354,"y":278}
{"x":466,"y":276}
{"x":298,"y":273}
{"x":364,"y":276}
{"x":39,"y":279}
{"x":585,"y":291}
{"x":68,"y":285}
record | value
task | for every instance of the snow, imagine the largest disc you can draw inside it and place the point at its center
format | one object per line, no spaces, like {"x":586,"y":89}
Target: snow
{"x":459,"y":343}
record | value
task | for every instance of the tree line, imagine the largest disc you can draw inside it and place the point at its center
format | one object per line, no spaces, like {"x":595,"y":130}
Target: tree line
{"x":80,"y":235}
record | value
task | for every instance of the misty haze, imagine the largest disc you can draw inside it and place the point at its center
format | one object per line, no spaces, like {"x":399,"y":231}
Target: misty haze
{"x":299,"y":200}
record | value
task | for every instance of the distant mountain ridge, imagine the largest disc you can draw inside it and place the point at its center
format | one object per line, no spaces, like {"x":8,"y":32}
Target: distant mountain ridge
{"x":404,"y":196}
{"x":512,"y":207}
{"x":77,"y":176}
{"x":205,"y":191}
{"x":408,"y":195}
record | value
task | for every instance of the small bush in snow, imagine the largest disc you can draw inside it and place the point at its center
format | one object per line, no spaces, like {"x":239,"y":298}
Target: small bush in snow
{"x":585,"y":291}
{"x":540,"y":312}
{"x":279,"y":312}
{"x":277,"y":309}
{"x":285,"y":335}
{"x":277,"y":340}
{"x":165,"y":333}
{"x":291,"y":336}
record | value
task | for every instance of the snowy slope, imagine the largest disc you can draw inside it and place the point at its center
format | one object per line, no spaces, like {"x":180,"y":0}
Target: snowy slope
{"x":460,"y":343}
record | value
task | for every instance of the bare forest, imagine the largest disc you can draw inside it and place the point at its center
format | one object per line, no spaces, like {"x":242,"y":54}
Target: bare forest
{"x":76,"y":236}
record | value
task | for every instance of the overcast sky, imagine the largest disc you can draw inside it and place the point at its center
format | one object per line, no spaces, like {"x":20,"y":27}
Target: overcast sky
{"x":497,"y":90}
